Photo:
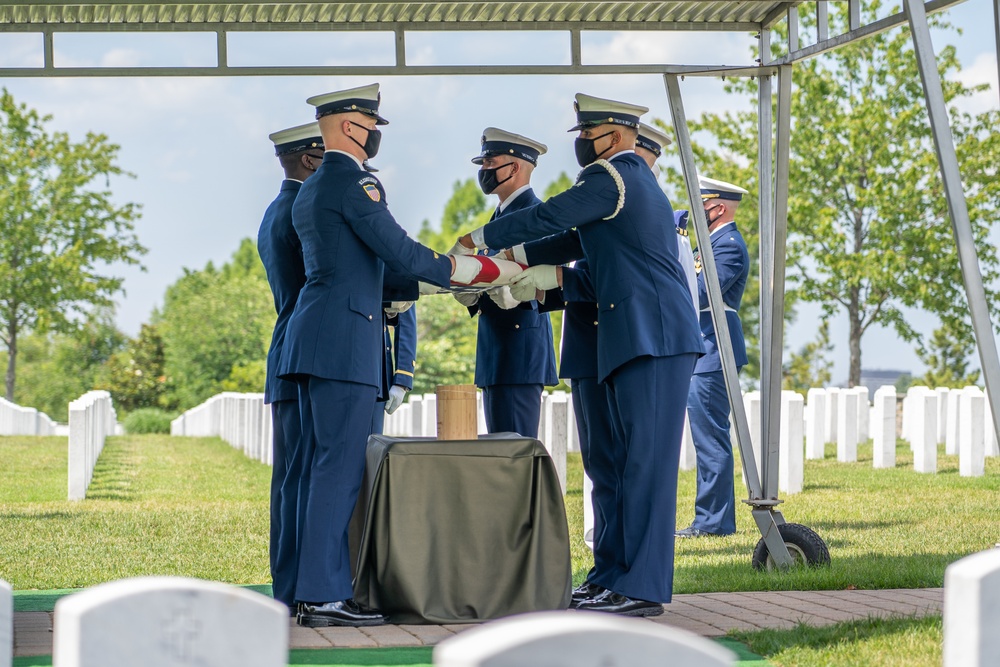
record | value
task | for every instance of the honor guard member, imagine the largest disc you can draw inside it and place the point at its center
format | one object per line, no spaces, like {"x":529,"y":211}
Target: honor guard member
{"x":333,"y":344}
{"x":708,"y":403}
{"x":649,"y":146}
{"x":300,"y":152}
{"x":400,"y":360}
{"x":514,"y":352}
{"x":647,"y":339}
{"x":578,"y":365}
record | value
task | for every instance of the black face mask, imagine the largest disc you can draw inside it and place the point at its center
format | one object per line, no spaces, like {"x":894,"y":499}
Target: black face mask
{"x":370,"y":147}
{"x":585,"y":151}
{"x":488,"y":178}
{"x":712,"y":221}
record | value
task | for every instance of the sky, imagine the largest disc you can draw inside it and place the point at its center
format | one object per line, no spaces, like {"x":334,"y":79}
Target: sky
{"x":204,"y":168}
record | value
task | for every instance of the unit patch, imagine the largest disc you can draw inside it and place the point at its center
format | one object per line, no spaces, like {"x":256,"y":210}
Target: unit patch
{"x":372,"y":192}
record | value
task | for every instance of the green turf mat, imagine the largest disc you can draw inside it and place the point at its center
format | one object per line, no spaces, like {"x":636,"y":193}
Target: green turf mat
{"x":393,"y":657}
{"x":46,"y":600}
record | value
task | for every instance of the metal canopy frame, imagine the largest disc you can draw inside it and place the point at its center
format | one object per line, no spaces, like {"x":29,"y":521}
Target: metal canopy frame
{"x":51,"y":17}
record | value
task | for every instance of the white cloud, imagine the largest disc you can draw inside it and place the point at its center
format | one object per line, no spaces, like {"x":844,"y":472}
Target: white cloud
{"x":983,"y":70}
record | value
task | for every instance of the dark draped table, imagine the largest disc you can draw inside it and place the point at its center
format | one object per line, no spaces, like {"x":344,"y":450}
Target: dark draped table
{"x":460,"y":531}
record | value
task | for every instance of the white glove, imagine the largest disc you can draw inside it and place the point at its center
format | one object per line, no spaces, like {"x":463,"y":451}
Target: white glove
{"x":502,"y":297}
{"x":396,"y":307}
{"x":541,"y":278}
{"x":396,"y":395}
{"x":428,"y":288}
{"x":459,"y":249}
{"x":467,"y":299}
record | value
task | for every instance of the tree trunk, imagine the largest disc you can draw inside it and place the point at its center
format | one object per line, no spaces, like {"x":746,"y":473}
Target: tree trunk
{"x":11,"y":360}
{"x":854,"y":318}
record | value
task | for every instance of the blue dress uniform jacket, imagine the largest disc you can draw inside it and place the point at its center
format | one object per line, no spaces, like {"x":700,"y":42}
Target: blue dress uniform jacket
{"x":348,"y":235}
{"x":647,"y":343}
{"x":281,"y":254}
{"x":732,"y":263}
{"x":633,"y":260}
{"x":514,"y":346}
{"x":333,"y":350}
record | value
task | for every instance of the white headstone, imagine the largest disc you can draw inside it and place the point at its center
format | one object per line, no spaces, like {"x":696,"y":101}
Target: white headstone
{"x":815,"y":416}
{"x":169,"y":621}
{"x":952,"y":427}
{"x":688,"y":457}
{"x":573,"y":445}
{"x":863,"y":413}
{"x":790,"y":443}
{"x":751,"y":404}
{"x":430,"y":418}
{"x":578,"y":639}
{"x":480,"y":413}
{"x":588,"y":511}
{"x":847,"y":426}
{"x":989,"y":430}
{"x":884,"y":428}
{"x":923,"y":430}
{"x":555,"y":434}
{"x":832,"y":405}
{"x":972,"y":610}
{"x":942,"y":430}
{"x":971,"y":443}
{"x":6,"y":624}
{"x":416,"y":415}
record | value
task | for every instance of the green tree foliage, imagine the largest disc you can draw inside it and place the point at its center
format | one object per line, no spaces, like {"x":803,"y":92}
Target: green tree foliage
{"x":446,"y":343}
{"x":465,"y":210}
{"x":59,"y":228}
{"x":869,"y":232}
{"x":56,"y":368}
{"x":947,"y":357}
{"x":216,"y":325}
{"x":136,"y":377}
{"x":810,"y":366}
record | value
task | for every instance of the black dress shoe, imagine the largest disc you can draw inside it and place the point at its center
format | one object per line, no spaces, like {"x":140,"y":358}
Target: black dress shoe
{"x":691,"y":531}
{"x":585,"y":591}
{"x":343,"y":613}
{"x":616,"y":603}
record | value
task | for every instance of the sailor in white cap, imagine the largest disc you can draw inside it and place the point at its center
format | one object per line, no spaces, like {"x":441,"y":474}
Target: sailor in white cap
{"x":649,"y":146}
{"x":300,"y":151}
{"x":515,"y":357}
{"x":334,"y":342}
{"x":647,"y":340}
{"x":707,"y":403}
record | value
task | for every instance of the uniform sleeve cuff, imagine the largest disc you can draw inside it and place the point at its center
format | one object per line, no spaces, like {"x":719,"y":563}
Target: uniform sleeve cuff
{"x":477,"y":237}
{"x":519,"y":255}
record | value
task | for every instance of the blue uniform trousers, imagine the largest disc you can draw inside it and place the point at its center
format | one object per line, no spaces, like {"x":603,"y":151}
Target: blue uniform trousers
{"x":513,"y":408}
{"x":593,"y":423}
{"x":336,"y":423}
{"x":286,"y":469}
{"x":708,"y":410}
{"x":647,"y":397}
{"x":378,"y":417}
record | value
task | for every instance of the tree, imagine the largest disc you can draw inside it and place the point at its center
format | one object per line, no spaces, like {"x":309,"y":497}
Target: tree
{"x":869,"y":233}
{"x":59,"y":228}
{"x":216,"y":326}
{"x":465,"y":210}
{"x":136,"y":377}
{"x":947,"y":358}
{"x":810,"y":366}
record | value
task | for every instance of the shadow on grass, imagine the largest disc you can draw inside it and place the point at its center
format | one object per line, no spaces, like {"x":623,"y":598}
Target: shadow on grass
{"x":114,"y":473}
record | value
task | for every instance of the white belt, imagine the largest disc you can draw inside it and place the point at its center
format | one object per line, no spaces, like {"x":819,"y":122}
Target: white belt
{"x":728,"y":310}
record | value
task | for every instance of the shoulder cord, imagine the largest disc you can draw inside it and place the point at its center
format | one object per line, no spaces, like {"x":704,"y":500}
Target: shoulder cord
{"x":619,"y":183}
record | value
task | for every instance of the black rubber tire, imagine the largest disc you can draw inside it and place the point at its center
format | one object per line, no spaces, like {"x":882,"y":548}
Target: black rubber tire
{"x":804,"y":545}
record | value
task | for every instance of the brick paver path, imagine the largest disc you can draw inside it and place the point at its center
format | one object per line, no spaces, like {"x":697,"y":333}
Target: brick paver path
{"x":707,"y":614}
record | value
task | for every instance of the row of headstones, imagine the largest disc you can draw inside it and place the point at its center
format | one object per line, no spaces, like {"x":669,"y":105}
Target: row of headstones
{"x":169,"y":621}
{"x":91,"y":420}
{"x":960,"y":419}
{"x":18,"y":420}
{"x":242,"y":420}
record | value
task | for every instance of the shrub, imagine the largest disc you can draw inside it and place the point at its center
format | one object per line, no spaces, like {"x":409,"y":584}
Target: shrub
{"x":148,"y":420}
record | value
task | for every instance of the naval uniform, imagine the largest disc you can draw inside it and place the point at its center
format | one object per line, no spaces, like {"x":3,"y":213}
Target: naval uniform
{"x":708,"y":403}
{"x":515,"y":356}
{"x":333,"y":349}
{"x":647,"y":344}
{"x":399,"y":360}
{"x":281,"y":254}
{"x":578,"y":364}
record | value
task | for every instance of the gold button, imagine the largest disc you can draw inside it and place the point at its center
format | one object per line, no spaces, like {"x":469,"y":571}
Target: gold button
{"x":612,"y":306}
{"x":517,"y":326}
{"x":369,"y":317}
{"x":595,"y":323}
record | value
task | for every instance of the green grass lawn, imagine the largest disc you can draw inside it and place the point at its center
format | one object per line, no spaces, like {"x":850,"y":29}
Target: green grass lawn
{"x":197,"y":507}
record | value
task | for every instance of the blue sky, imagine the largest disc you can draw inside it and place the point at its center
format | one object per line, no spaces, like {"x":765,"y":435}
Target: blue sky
{"x":205,"y":170}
